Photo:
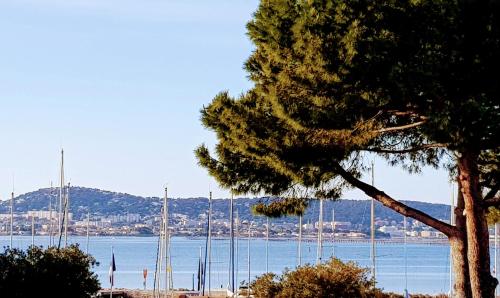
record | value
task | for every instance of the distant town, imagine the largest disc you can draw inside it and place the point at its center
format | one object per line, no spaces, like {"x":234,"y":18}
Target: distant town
{"x":134,"y":224}
{"x":95,"y":212}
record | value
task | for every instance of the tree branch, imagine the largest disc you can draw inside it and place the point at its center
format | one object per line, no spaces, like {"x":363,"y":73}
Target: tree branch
{"x":493,"y":191}
{"x":402,"y":127}
{"x":408,"y":150}
{"x":404,"y":113}
{"x":491,"y":202}
{"x":401,"y":113}
{"x":397,"y":206}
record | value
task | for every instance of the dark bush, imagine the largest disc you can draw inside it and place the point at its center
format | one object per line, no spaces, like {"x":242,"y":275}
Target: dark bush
{"x":50,"y":272}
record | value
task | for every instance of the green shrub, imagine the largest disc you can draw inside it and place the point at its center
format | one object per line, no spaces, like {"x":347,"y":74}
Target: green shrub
{"x":48,"y":272}
{"x":332,"y":279}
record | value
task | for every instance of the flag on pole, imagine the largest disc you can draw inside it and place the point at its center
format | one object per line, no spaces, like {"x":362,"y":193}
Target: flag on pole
{"x":112,"y":269}
{"x":200,"y":274}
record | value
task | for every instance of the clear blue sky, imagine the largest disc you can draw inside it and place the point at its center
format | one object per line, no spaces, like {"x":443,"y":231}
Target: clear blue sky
{"x":119,"y":84}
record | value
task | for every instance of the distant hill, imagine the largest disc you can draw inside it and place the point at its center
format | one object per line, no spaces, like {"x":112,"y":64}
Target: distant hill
{"x":105,"y":203}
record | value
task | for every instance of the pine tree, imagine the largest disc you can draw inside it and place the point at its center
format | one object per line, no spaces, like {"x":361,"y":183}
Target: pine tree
{"x":413,"y":82}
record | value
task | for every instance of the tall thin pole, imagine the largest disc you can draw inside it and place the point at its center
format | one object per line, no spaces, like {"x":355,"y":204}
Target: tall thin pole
{"x":496,"y":256}
{"x":112,"y":274}
{"x":205,"y":263}
{"x":66,"y":216}
{"x":299,"y":253}
{"x":161,"y":249}
{"x":156,"y":277}
{"x":32,"y":231}
{"x":166,"y":239}
{"x":11,"y":218}
{"x":50,"y":214}
{"x":88,"y":228}
{"x":237,"y":232}
{"x":231,"y":244}
{"x":200,"y":272}
{"x":61,"y":197}
{"x":267,"y":244}
{"x":406,"y":258}
{"x":170,"y":269}
{"x":333,"y":232}
{"x":372,"y":224}
{"x":320,"y":233}
{"x":248,"y":256}
{"x":209,"y":242}
{"x":452,"y":222}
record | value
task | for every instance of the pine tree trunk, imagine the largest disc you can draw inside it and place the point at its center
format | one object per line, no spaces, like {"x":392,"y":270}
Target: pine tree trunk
{"x":458,"y":235}
{"x":461,"y":285}
{"x":458,"y":243}
{"x":478,"y":252}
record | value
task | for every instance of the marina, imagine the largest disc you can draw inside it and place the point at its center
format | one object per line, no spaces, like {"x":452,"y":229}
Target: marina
{"x":428,"y":264}
{"x":228,"y":149}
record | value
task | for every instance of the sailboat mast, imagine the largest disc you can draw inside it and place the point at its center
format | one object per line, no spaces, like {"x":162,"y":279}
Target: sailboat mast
{"x":333,"y":232}
{"x":166,"y":242}
{"x":11,"y":218}
{"x":50,"y":215}
{"x":496,"y":256}
{"x":237,"y":236}
{"x":372,"y":225}
{"x":66,"y":216}
{"x":267,"y":244}
{"x":406,"y":257}
{"x":88,"y":228}
{"x":300,"y":241}
{"x":320,"y":233}
{"x":231,"y":243}
{"x":170,"y":269}
{"x":248,"y":256}
{"x":209,"y":242}
{"x":205,"y":265}
{"x":159,"y":253}
{"x":61,"y":197}
{"x":452,"y":222}
{"x":32,"y":231}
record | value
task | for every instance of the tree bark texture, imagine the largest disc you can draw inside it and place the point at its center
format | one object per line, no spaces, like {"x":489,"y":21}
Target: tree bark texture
{"x":478,"y":252}
{"x":461,"y":284}
{"x":458,"y":243}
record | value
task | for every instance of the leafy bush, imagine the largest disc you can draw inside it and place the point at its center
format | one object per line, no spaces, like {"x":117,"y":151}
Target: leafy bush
{"x":333,"y":279}
{"x":48,"y":272}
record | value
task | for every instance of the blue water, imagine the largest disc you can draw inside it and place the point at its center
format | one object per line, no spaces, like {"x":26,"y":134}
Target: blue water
{"x":428,"y":265}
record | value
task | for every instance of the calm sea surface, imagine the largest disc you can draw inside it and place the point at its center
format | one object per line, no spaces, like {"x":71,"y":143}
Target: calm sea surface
{"x":428,"y":265}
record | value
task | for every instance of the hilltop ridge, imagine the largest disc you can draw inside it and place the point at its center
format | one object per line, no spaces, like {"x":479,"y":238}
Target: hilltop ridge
{"x":105,"y":203}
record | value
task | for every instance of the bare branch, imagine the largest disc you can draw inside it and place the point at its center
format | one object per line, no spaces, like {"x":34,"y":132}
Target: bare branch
{"x":397,"y":206}
{"x":408,"y":150}
{"x":404,"y":113}
{"x":402,"y":127}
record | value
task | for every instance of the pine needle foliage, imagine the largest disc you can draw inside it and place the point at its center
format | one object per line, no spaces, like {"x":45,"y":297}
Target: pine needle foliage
{"x":414,"y":82}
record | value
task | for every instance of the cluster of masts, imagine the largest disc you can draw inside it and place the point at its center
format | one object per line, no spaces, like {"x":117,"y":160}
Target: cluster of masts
{"x":163,"y":261}
{"x":233,"y":255}
{"x":59,"y":213}
{"x":63,"y":209}
{"x":163,"y":276}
